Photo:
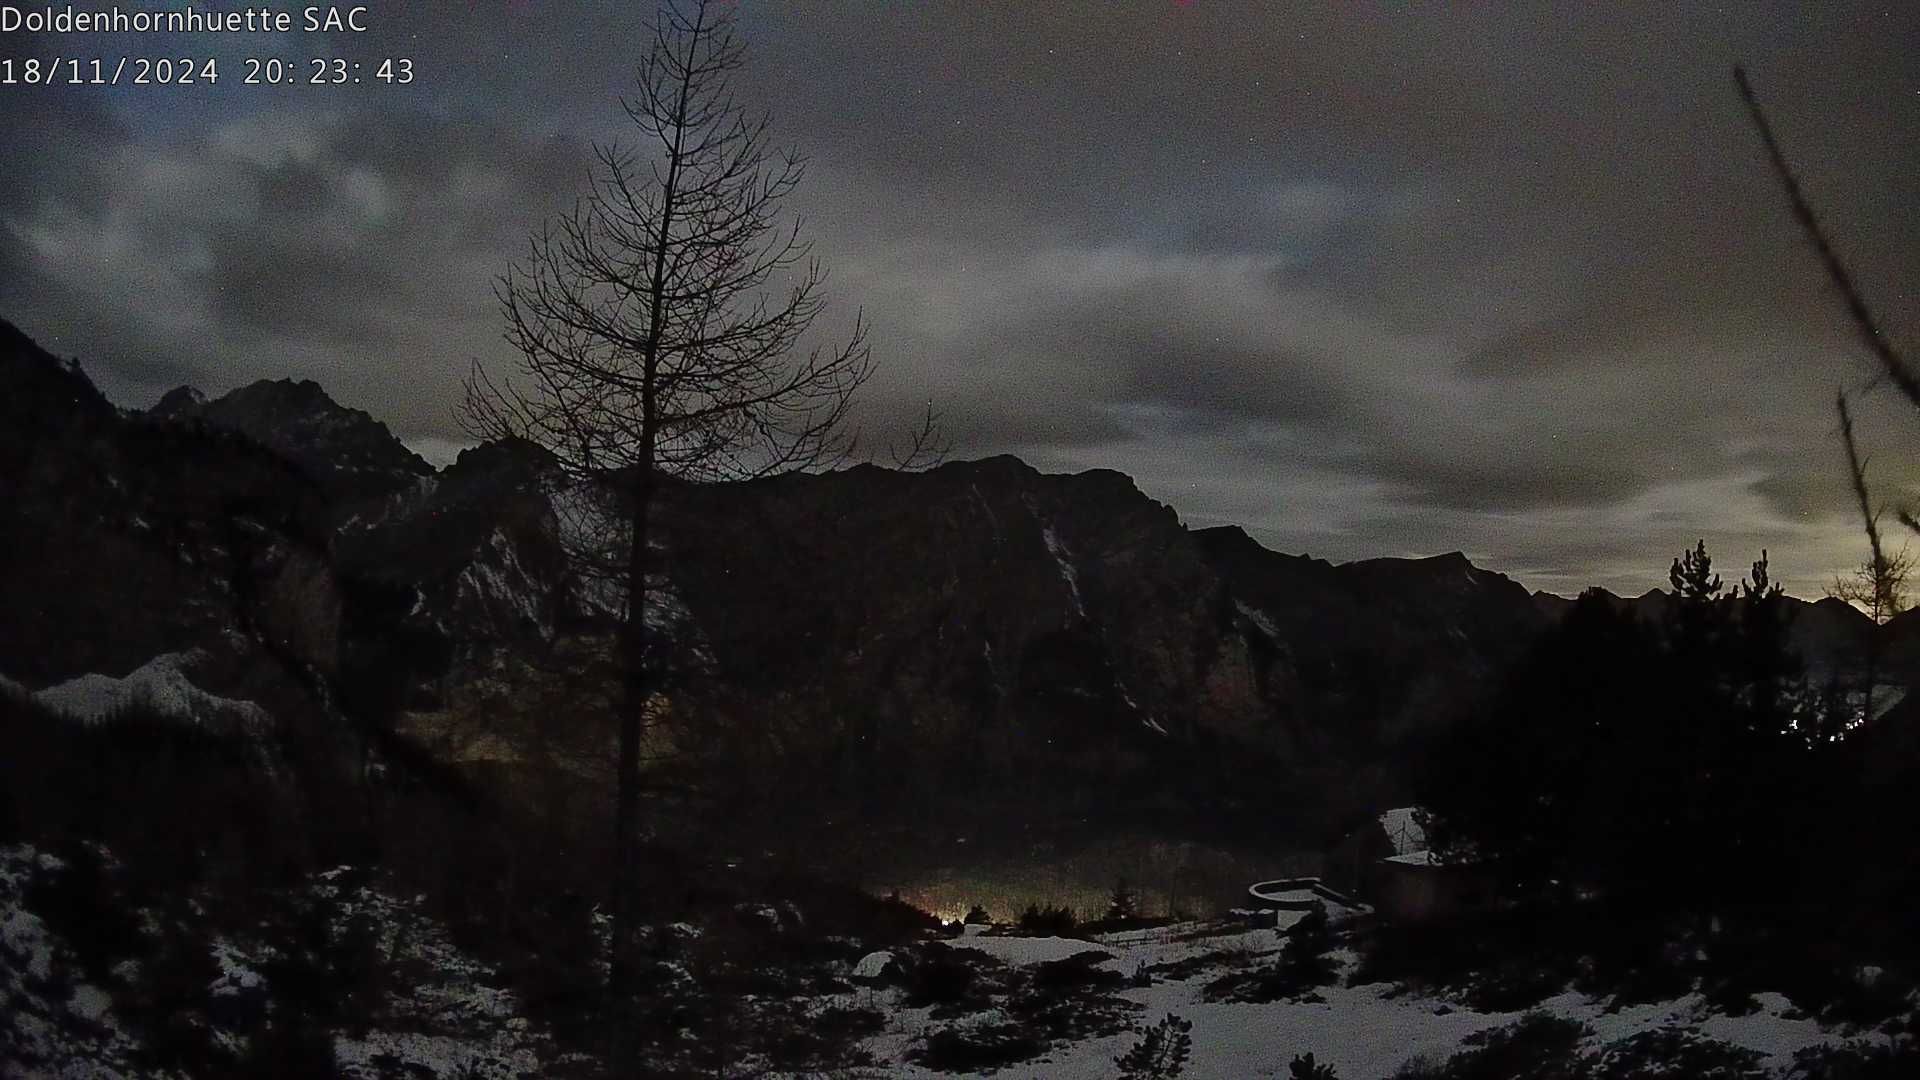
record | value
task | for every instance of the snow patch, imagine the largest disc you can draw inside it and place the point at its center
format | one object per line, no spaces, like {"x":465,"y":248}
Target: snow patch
{"x":161,"y":684}
{"x":1362,"y":1031}
{"x":495,"y":575}
{"x":1885,"y":697}
{"x":1258,"y":618}
{"x":1061,"y":558}
{"x":872,"y":964}
{"x":237,"y":974}
{"x":53,"y":1028}
{"x":406,"y":1053}
{"x":1020,"y":951}
{"x":1404,"y":831}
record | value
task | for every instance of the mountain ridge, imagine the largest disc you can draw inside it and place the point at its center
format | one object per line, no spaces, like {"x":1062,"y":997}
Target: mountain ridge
{"x":981,"y":618}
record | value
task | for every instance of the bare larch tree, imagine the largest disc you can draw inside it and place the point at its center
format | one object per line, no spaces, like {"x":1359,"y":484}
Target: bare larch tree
{"x":1878,"y":586}
{"x":659,"y":329}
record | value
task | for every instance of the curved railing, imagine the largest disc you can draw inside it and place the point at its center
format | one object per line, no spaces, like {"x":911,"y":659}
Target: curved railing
{"x":1298,"y":894}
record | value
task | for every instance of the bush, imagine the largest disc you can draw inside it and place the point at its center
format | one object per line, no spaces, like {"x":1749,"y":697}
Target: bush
{"x":1077,"y":972}
{"x":1306,"y":948}
{"x":939,"y":977}
{"x":1674,"y":1054}
{"x":1856,"y":1061}
{"x":1305,"y":1068}
{"x":84,"y":903}
{"x":1051,"y":920}
{"x":1510,"y":960}
{"x":1536,"y":1047}
{"x":294,"y":1046}
{"x":979,"y":1049}
{"x":1300,"y":968}
{"x":1070,"y":999}
{"x":823,"y":1039}
{"x":1161,"y":1052}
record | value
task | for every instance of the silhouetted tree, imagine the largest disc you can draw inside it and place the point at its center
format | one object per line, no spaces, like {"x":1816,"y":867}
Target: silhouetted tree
{"x":1652,"y":761}
{"x":1161,"y":1052}
{"x":1879,"y":588}
{"x":1766,"y":669}
{"x":651,"y":345}
{"x":1696,"y":623}
{"x":1303,"y":1067}
{"x":1522,"y":784}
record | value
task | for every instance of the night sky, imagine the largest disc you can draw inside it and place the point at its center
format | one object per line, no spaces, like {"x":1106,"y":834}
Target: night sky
{"x":1369,"y":279}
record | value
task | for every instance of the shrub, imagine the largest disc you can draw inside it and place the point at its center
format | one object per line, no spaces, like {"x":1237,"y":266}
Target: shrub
{"x":979,"y":1049}
{"x":1305,"y":1068}
{"x":1057,"y":921}
{"x":1675,"y":1054}
{"x":939,"y":977}
{"x":83,"y":903}
{"x":1161,"y":1052}
{"x":1307,"y":944}
{"x":1300,"y":968}
{"x":1079,"y":971}
{"x":1857,"y":1061}
{"x":294,"y":1046}
{"x":826,"y":1038}
{"x":1536,"y":1047}
{"x":1510,"y":960}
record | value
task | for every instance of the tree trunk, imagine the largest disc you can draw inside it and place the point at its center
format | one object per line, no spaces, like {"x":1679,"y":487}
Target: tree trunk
{"x":633,"y":708}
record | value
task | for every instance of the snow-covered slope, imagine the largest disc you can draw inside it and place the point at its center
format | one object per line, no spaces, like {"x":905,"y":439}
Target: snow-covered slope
{"x":54,"y":1027}
{"x":160,"y":685}
{"x":446,"y":1019}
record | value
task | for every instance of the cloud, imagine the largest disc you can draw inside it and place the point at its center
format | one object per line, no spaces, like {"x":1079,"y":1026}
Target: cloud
{"x":354,"y":247}
{"x":1367,"y":281}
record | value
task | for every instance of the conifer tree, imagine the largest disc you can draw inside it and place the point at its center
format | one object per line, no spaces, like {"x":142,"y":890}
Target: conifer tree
{"x":1161,"y":1053}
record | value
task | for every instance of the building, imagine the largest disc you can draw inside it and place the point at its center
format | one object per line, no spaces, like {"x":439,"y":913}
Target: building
{"x":1409,"y":883}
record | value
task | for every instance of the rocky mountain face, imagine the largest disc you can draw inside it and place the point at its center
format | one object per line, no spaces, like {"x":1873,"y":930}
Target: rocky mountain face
{"x":126,"y":539}
{"x":951,"y":611}
{"x":172,"y":631}
{"x":1393,"y":646}
{"x":968,"y":622}
{"x":351,"y":455}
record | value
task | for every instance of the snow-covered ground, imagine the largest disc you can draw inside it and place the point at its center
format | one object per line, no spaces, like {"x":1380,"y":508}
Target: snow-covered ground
{"x":451,"y":1020}
{"x":448,"y":1015}
{"x":54,"y":1025}
{"x":1365,"y":1032}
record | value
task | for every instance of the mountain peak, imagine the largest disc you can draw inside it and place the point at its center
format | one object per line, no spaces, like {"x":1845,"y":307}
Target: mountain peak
{"x":344,"y":448}
{"x":181,"y":401}
{"x":39,"y":389}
